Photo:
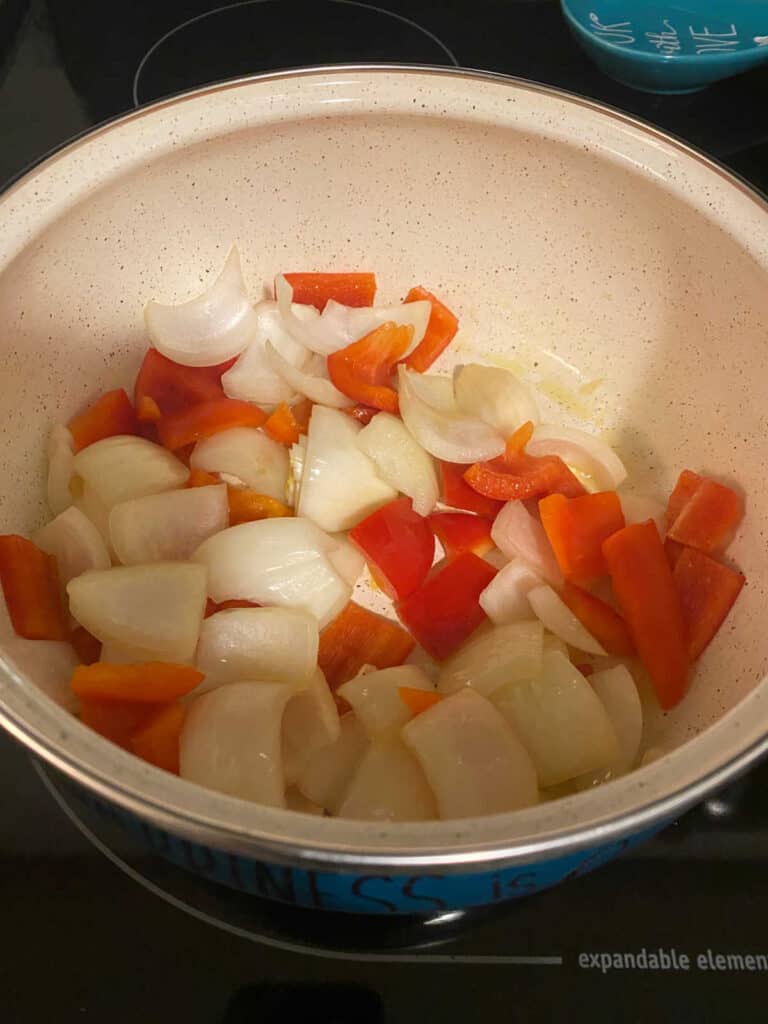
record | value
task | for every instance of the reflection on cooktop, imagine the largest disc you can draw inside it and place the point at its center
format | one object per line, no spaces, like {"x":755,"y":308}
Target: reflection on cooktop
{"x":258,"y":35}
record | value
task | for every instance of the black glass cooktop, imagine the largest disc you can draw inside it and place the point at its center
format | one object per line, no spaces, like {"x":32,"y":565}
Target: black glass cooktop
{"x":94,"y":928}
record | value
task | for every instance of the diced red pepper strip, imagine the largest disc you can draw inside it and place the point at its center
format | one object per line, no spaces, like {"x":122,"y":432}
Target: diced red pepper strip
{"x":109,"y":415}
{"x":362,"y":413}
{"x":212,"y":607}
{"x":461,"y":531}
{"x":707,"y":592}
{"x":201,"y":421}
{"x":363,"y":369}
{"x":456,"y":492}
{"x":287,"y":423}
{"x":646,"y":592}
{"x":709,"y":517}
{"x":87,"y":647}
{"x":173,"y":387}
{"x":674,"y":550}
{"x":516,"y":475}
{"x":441,"y":330}
{"x":577,"y":528}
{"x":348,"y":289}
{"x":148,"y":682}
{"x":30,"y":583}
{"x":418,"y":700}
{"x":358,"y":637}
{"x":603,"y":622}
{"x":116,"y":720}
{"x":586,"y":669}
{"x":445,"y":609}
{"x":684,"y":490}
{"x":157,"y":741}
{"x":398,"y":545}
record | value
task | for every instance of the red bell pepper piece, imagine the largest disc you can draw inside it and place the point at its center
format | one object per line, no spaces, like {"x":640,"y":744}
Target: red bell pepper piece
{"x":646,"y":592}
{"x":363,"y":369}
{"x":211,"y":607}
{"x":109,"y":415}
{"x":348,"y":289}
{"x":586,"y":669}
{"x":87,"y":647}
{"x":157,"y":741}
{"x":707,"y":592}
{"x":456,"y":492}
{"x":358,"y":637}
{"x":362,"y":413}
{"x":460,"y":531}
{"x":418,"y":700}
{"x":116,"y":720}
{"x":30,"y":583}
{"x":173,"y":387}
{"x":577,"y":527}
{"x":200,"y":421}
{"x":288,"y":422}
{"x":516,"y":475}
{"x":603,"y":622}
{"x":684,"y":490}
{"x":674,"y":550}
{"x":708,"y":518}
{"x":445,"y":609}
{"x":440,"y":332}
{"x":398,"y":546}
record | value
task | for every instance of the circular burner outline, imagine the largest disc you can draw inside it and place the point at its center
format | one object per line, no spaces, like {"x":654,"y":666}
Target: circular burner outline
{"x":250,"y":3}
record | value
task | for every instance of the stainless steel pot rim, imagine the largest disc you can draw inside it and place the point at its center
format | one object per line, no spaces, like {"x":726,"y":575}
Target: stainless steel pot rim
{"x":605,"y":815}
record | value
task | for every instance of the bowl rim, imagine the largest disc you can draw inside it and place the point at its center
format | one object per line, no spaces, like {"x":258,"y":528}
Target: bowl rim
{"x":267,"y":833}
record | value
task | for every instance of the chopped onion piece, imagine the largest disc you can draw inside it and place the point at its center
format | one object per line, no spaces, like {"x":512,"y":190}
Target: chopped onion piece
{"x":375,"y":699}
{"x":311,"y":722}
{"x":389,"y":785}
{"x":520,"y":535}
{"x":296,"y":456}
{"x":561,"y":721}
{"x":505,"y":599}
{"x":210,"y":328}
{"x":581,"y":450}
{"x":279,"y":562}
{"x":554,"y":643}
{"x":472,"y":759}
{"x":158,"y":607}
{"x":230,"y":741}
{"x":75,"y":543}
{"x":296,"y":801}
{"x":61,"y":468}
{"x":247,"y":453}
{"x":495,"y":396}
{"x":652,"y":754}
{"x":270,"y":645}
{"x":310,"y":384}
{"x":169,"y":526}
{"x":48,"y":664}
{"x":400,"y":460}
{"x":328,"y":771}
{"x":340,"y":485}
{"x":432,"y":416}
{"x":252,"y":378}
{"x":618,"y":694}
{"x":560,"y":620}
{"x":638,"y":509}
{"x":493,"y":657}
{"x":113,"y":653}
{"x":346,"y":559}
{"x":123,"y":467}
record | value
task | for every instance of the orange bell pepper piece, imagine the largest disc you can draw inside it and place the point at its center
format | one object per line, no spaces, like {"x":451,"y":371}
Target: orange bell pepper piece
{"x":173,"y":387}
{"x":348,"y":289}
{"x":30,"y":583}
{"x":577,"y":527}
{"x":363,"y":369}
{"x":87,"y":647}
{"x":440,"y":332}
{"x":460,"y":531}
{"x":456,"y":492}
{"x":358,"y":637}
{"x":418,"y":700}
{"x":708,"y":518}
{"x":157,"y":740}
{"x":603,"y":622}
{"x":200,"y":478}
{"x":148,"y":682}
{"x":287,"y":423}
{"x":245,"y":506}
{"x":116,"y":720}
{"x":200,"y":421}
{"x":445,"y":609}
{"x":646,"y":592}
{"x":109,"y":415}
{"x":707,"y":592}
{"x":398,"y":546}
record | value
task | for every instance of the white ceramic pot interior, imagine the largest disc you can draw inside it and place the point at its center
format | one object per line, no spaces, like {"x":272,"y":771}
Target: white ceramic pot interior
{"x":625,"y":276}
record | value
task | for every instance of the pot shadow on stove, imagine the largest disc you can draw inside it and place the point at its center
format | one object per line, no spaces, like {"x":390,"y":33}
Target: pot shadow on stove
{"x":275,"y":1003}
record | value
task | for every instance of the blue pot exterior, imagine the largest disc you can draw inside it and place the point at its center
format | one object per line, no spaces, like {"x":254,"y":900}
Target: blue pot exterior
{"x":401,"y":893}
